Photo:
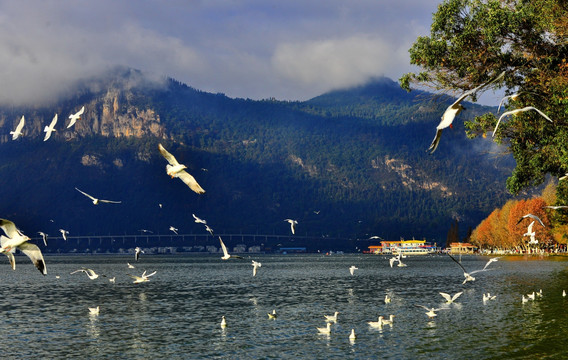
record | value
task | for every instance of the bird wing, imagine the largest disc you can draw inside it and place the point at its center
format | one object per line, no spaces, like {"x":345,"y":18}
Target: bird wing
{"x":53,"y":122}
{"x":448,"y":297}
{"x":34,"y":253}
{"x":506,"y":113}
{"x":154,"y":273}
{"x":457,"y":262}
{"x":87,"y":195}
{"x":20,"y":125}
{"x":169,"y":157}
{"x":532,"y":217}
{"x":110,"y":201}
{"x":538,"y":111}
{"x":530,"y":227}
{"x":223,"y":247}
{"x":9,"y":228}
{"x":190,"y":181}
{"x":457,"y":295}
{"x":11,"y":258}
{"x":422,"y":306}
{"x":435,"y":142}
{"x":254,"y":269}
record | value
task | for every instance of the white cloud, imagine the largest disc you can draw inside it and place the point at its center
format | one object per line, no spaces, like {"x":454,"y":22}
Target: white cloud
{"x":334,"y":63}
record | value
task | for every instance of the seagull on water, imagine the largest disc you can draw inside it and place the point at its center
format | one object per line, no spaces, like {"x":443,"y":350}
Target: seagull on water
{"x":98,"y":201}
{"x":387,"y":299}
{"x":90,"y":273}
{"x":450,"y":299}
{"x":130,"y":266}
{"x":64,"y":233}
{"x":516,"y":111}
{"x":94,"y":311}
{"x":273,"y":314}
{"x":487,"y":297}
{"x":376,"y":324}
{"x":532,"y":217}
{"x":293,"y":224}
{"x":396,"y":258}
{"x":50,"y":128}
{"x":352,"y":336}
{"x":223,"y":322}
{"x":18,"y":131}
{"x":175,"y":230}
{"x":16,"y":239}
{"x":142,"y":278}
{"x":352,"y":269}
{"x":137,"y":252}
{"x":75,"y":117}
{"x":431,"y":311}
{"x":226,"y":255}
{"x":175,"y":169}
{"x":44,"y":237}
{"x":255,"y":266}
{"x":331,"y":318}
{"x":452,"y":111}
{"x":467,"y":275}
{"x":326,"y":330}
{"x":389,"y":321}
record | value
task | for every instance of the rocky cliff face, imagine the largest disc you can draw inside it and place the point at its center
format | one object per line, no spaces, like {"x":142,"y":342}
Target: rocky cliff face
{"x":111,"y":113}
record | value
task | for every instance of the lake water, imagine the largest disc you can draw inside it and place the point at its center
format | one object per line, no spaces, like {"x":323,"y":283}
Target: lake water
{"x":177,"y":314}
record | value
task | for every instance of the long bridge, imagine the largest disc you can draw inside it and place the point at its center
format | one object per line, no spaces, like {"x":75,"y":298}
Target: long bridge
{"x":265,"y":242}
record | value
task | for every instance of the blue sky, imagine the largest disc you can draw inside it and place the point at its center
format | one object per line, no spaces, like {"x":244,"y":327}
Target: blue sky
{"x":290,"y":50}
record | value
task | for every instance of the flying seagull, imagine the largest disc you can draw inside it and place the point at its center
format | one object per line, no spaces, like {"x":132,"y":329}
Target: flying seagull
{"x":467,"y":275}
{"x":49,"y":129}
{"x":209,"y":229}
{"x":556,"y":207}
{"x":18,"y":130}
{"x":293,"y":224}
{"x":137,"y":252}
{"x":43,"y":236}
{"x":142,"y":278}
{"x":175,"y":230}
{"x":98,"y":201}
{"x":90,"y":273}
{"x":449,"y":298}
{"x":516,"y":111}
{"x":453,"y":110}
{"x":198,"y":220}
{"x":16,"y":239}
{"x":226,"y":255}
{"x":352,"y":269}
{"x":75,"y":117}
{"x":532,"y":217}
{"x":255,"y":266}
{"x":175,"y":169}
{"x":64,"y":233}
{"x":512,"y":97}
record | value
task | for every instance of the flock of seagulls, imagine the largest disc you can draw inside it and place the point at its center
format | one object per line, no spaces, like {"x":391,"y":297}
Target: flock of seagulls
{"x":49,"y":129}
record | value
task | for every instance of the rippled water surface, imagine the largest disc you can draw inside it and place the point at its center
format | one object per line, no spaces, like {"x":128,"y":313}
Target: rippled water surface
{"x":177,"y":314}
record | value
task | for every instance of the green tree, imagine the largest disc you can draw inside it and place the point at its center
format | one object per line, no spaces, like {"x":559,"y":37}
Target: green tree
{"x":472,"y":41}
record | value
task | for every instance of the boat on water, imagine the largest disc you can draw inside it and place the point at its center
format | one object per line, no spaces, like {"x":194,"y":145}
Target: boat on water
{"x":403,"y":247}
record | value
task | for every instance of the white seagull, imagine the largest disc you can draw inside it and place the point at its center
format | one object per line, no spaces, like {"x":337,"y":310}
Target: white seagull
{"x":556,"y":207}
{"x":94,"y":311}
{"x":326,"y":330}
{"x":450,"y":299}
{"x":130,"y":266}
{"x":532,"y":217}
{"x":175,"y":169}
{"x":175,"y":230}
{"x":352,"y":269}
{"x":209,"y":229}
{"x":273,"y":314}
{"x":64,"y":233}
{"x":75,"y":117}
{"x":142,"y":278}
{"x":98,"y":201}
{"x":16,"y":239}
{"x":452,"y":111}
{"x":199,"y":221}
{"x":516,"y":111}
{"x":376,"y":324}
{"x":293,"y":224}
{"x":223,"y":322}
{"x":49,"y":129}
{"x":44,"y":237}
{"x":352,"y":336}
{"x":467,"y":275}
{"x":431,"y":311}
{"x":387,"y":299}
{"x":331,"y":318}
{"x":18,"y":130}
{"x":255,"y":266}
{"x":90,"y":273}
{"x":137,"y":252}
{"x":389,"y":321}
{"x":512,"y":97}
{"x":226,"y":255}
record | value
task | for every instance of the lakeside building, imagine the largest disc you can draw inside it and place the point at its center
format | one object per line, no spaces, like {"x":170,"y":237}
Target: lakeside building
{"x":405,"y":247}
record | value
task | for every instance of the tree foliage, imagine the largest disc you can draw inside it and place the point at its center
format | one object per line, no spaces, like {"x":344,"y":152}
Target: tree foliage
{"x":472,"y":41}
